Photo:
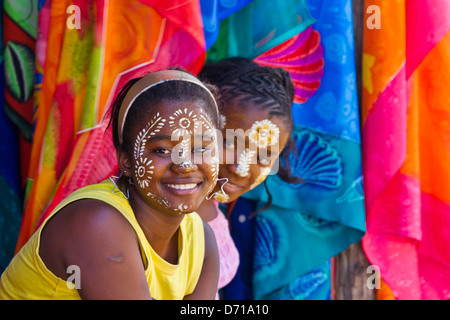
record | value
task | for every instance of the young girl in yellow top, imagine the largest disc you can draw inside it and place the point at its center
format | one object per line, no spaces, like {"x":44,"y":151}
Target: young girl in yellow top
{"x":135,"y":236}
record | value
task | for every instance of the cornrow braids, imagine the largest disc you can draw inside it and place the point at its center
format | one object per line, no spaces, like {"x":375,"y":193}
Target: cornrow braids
{"x":243,"y":79}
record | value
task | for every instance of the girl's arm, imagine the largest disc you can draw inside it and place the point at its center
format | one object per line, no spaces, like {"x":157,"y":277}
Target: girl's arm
{"x":101,"y":244}
{"x":206,"y":288}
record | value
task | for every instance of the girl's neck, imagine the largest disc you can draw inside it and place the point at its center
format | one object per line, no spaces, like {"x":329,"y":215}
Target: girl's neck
{"x":160,"y":228}
{"x":207,"y":210}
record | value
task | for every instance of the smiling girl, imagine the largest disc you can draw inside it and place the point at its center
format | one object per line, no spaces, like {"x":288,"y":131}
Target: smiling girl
{"x":135,"y":236}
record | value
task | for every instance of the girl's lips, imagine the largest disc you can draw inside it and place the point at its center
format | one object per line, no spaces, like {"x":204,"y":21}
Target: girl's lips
{"x":182,"y":188}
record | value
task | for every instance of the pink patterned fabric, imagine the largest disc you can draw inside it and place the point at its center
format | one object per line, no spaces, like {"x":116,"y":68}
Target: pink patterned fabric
{"x":228,"y":254}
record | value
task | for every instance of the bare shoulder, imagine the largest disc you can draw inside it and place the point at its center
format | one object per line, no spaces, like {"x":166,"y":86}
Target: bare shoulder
{"x":83,"y":228}
{"x":99,"y":240}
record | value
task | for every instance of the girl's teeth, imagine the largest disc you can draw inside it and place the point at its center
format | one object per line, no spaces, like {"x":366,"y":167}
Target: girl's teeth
{"x":182,"y":186}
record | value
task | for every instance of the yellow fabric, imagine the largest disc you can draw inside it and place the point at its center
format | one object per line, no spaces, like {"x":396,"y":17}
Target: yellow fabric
{"x":27,"y":277}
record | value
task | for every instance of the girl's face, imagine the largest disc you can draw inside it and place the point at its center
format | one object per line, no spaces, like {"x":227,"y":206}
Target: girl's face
{"x":251,"y":146}
{"x":174,"y":164}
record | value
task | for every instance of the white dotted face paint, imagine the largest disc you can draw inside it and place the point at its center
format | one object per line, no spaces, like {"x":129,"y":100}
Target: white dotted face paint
{"x":159,"y":200}
{"x":183,"y":122}
{"x":262,"y":176}
{"x":244,"y":161}
{"x":223,"y":121}
{"x":264,"y":133}
{"x":143,"y":168}
{"x":143,"y":171}
{"x":212,"y":157}
{"x":192,"y":126}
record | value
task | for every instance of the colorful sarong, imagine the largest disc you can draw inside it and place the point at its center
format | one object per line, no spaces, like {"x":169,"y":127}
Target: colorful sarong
{"x":406,"y":150}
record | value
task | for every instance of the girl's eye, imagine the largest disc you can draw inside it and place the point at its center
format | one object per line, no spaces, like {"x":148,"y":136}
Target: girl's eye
{"x":162,"y":151}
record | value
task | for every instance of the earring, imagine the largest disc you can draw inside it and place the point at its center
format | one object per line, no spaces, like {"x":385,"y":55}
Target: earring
{"x":221,"y":189}
{"x":114,"y":180}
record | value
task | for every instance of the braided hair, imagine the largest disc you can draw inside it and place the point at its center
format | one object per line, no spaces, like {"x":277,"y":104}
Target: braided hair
{"x":270,"y":89}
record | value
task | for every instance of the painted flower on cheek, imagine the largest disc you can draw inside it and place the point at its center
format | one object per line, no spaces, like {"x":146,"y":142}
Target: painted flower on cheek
{"x":264,"y":133}
{"x":143,"y":171}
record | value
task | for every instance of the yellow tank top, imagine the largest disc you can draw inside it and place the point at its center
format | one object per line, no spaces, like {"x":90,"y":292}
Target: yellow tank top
{"x":27,"y":277}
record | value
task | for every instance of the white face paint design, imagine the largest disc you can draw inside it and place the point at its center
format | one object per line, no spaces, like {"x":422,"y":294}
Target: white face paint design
{"x":159,"y":200}
{"x":244,"y":161}
{"x":213,"y":160}
{"x":262,"y":176}
{"x":183,"y":122}
{"x":264,"y":133}
{"x":186,"y":124}
{"x":143,"y":168}
{"x":143,"y":171}
{"x":223,"y":121}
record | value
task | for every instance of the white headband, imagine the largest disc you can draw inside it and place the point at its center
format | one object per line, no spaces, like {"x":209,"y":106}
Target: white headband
{"x":151,"y":80}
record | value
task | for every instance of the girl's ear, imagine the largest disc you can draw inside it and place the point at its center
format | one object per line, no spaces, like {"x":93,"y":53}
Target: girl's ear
{"x":124,"y":163}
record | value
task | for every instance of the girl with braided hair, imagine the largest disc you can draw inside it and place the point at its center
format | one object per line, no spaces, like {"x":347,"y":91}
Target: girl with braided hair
{"x":255,"y":106}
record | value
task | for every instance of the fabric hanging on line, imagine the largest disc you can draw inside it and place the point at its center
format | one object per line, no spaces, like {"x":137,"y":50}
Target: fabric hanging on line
{"x":16,"y":116}
{"x":406,"y":151}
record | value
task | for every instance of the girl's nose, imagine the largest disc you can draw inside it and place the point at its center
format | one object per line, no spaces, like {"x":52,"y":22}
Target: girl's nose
{"x":184,"y":167}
